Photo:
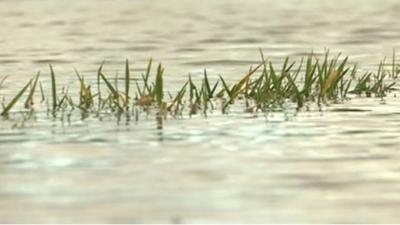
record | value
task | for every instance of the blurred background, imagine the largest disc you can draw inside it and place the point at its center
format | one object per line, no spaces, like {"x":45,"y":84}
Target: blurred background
{"x":187,"y":36}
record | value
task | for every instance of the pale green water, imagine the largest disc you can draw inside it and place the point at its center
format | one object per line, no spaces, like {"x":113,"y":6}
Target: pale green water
{"x":311,"y":166}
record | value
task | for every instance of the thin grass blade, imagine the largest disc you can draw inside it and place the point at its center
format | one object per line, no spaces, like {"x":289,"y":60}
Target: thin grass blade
{"x":15,"y":99}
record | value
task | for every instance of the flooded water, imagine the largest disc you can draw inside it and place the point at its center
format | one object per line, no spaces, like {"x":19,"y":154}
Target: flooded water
{"x":330,"y":166}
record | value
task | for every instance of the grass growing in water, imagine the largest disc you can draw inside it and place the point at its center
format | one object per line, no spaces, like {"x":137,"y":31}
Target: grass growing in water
{"x":15,"y":99}
{"x":265,"y":87}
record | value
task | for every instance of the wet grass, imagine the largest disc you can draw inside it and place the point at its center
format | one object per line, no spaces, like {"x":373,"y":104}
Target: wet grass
{"x":312,"y":80}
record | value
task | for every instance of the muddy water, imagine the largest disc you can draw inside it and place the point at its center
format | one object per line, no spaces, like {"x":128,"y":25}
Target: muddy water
{"x":335,"y":165}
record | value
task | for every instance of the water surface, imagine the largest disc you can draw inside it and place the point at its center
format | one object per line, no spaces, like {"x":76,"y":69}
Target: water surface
{"x":330,"y":166}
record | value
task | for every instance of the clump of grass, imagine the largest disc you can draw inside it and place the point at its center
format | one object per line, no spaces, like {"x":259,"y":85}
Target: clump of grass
{"x":265,"y":87}
{"x":86,"y":98}
{"x":144,"y":95}
{"x":374,"y":83}
{"x":177,"y":101}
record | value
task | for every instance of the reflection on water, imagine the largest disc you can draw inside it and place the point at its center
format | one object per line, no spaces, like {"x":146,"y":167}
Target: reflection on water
{"x":335,"y":165}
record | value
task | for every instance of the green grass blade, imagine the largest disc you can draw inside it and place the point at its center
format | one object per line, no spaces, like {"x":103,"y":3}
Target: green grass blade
{"x":127,"y":82}
{"x":15,"y":99}
{"x":99,"y":71}
{"x":139,"y":90}
{"x":53,"y":87}
{"x":42,"y":92}
{"x":179,"y":96}
{"x":110,"y":86}
{"x":214,"y":88}
{"x":207,"y":84}
{"x":29,"y":100}
{"x":146,"y":77}
{"x":158,"y":88}
{"x":226,"y":87}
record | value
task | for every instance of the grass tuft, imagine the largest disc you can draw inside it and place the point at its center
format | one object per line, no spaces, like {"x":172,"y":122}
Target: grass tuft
{"x":319,"y":80}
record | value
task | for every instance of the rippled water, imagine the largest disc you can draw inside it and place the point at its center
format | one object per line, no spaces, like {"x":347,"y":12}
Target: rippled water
{"x":335,"y":165}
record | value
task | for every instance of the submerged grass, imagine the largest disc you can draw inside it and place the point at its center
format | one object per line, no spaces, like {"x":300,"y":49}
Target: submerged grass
{"x":265,"y":87}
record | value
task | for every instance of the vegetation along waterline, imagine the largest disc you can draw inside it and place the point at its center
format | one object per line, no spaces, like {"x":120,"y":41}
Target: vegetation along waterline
{"x":312,"y":80}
